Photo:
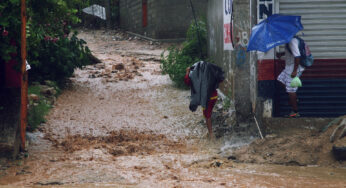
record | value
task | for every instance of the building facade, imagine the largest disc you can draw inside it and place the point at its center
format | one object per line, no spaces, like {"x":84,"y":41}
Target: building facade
{"x":324,"y":84}
{"x":251,"y":76}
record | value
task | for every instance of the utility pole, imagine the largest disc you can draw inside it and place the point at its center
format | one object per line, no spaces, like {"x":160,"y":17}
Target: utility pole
{"x":24,"y":78}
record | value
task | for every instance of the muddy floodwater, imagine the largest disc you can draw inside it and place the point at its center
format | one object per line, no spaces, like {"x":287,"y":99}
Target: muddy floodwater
{"x":121,"y":123}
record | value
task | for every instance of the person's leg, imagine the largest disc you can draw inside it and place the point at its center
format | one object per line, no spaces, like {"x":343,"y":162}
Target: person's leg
{"x":293,"y":101}
{"x":285,"y":81}
{"x":207,"y":114}
{"x":294,"y":104}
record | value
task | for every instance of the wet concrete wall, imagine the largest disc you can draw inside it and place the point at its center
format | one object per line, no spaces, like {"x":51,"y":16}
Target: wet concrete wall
{"x":215,"y":45}
{"x":239,"y":65}
{"x":166,"y":19}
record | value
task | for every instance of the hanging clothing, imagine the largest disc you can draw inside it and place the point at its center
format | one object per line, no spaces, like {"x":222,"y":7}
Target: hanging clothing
{"x":204,"y":80}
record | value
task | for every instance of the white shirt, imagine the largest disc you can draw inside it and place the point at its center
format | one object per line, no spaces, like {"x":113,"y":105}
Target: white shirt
{"x":289,"y":57}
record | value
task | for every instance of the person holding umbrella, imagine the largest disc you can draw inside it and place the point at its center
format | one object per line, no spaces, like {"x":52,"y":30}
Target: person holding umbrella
{"x":292,"y":69}
{"x":276,"y":30}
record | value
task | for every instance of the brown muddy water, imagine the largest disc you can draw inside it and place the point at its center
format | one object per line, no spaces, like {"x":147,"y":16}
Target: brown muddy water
{"x":123,"y":124}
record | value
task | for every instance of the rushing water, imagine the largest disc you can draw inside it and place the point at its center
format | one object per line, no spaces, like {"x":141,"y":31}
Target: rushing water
{"x":160,"y":143}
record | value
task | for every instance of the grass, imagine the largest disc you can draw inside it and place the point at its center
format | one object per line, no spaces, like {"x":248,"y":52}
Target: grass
{"x":39,"y":109}
{"x":36,"y":115}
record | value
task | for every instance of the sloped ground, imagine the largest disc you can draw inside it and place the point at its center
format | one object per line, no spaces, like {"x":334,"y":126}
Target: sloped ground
{"x":297,"y":145}
{"x":121,"y":123}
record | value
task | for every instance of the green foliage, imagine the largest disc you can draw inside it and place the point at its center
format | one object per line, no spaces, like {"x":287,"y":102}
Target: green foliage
{"x":52,"y":54}
{"x":9,"y":29}
{"x":227,"y":103}
{"x":36,"y":115}
{"x":178,"y":59}
{"x":56,"y":60}
{"x":37,"y":111}
{"x":51,"y":18}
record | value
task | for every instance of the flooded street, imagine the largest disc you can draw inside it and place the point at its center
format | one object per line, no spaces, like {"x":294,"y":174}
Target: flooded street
{"x":121,"y":123}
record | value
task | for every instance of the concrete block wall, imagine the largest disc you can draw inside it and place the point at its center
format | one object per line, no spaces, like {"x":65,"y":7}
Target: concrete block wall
{"x":175,"y":17}
{"x":167,"y":19}
{"x":131,"y":15}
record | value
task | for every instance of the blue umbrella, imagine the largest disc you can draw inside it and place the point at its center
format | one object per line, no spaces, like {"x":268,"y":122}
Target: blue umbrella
{"x":275,"y":30}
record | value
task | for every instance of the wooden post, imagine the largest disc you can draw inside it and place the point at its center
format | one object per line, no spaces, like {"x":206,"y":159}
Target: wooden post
{"x":24,"y":78}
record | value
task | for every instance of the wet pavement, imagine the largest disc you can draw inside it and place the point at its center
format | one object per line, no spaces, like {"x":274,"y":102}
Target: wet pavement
{"x":123,"y":124}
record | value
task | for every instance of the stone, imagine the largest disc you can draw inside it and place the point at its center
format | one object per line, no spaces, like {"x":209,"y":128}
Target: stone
{"x":34,"y":97}
{"x":119,"y":66}
{"x":45,"y":90}
{"x":49,"y":83}
{"x":92,"y":76}
{"x":108,"y":71}
{"x":51,"y":100}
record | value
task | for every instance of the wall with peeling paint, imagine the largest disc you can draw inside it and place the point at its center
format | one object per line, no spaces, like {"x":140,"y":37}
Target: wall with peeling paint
{"x":239,"y":65}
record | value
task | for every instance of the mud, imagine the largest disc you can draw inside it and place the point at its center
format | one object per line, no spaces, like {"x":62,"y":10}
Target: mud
{"x":297,"y":147}
{"x":124,"y":142}
{"x":121,"y":123}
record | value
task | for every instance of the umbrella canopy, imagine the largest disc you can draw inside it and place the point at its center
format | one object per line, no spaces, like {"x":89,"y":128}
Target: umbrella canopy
{"x":275,"y":30}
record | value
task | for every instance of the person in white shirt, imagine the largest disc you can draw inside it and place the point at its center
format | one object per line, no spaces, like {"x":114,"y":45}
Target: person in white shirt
{"x":292,"y":69}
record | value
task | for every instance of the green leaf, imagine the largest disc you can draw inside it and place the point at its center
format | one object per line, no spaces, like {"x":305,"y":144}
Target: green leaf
{"x":15,"y":1}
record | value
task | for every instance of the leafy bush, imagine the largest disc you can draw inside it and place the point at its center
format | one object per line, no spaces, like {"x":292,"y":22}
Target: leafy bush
{"x":192,"y":51}
{"x":56,"y":59}
{"x":52,"y":51}
{"x":9,"y":30}
{"x":52,"y":54}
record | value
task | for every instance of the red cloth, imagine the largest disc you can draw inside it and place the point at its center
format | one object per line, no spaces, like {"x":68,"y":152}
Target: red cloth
{"x":187,"y":80}
{"x":211,"y":103}
{"x":209,"y":110}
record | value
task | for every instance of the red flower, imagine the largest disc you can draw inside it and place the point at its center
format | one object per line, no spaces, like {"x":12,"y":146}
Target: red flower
{"x":4,"y":33}
{"x":55,"y":39}
{"x":47,"y":38}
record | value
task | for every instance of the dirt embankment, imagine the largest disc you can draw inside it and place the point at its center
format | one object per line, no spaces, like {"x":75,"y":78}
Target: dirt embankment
{"x":299,"y":147}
